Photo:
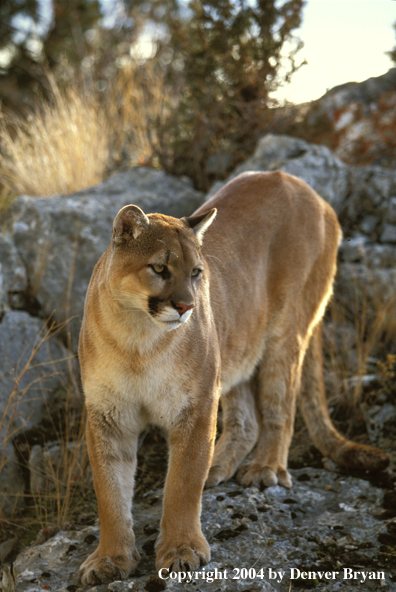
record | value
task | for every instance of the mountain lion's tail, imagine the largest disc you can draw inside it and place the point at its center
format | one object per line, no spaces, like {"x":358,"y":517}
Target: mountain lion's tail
{"x":313,"y":406}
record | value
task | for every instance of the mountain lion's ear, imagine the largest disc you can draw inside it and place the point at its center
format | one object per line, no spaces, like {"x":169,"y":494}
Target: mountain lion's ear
{"x":200,"y":224}
{"x":129,"y":222}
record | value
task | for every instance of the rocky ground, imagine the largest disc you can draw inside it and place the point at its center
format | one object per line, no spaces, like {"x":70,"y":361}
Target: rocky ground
{"x":338,"y":529}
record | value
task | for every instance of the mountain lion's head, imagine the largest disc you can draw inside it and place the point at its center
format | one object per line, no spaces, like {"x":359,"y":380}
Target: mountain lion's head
{"x":157,"y":265}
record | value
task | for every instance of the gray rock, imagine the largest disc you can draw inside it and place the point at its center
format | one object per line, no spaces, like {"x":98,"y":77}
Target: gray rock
{"x":12,"y":272}
{"x":315,"y":164}
{"x":326,"y":522}
{"x":7,"y":579}
{"x":363,"y":198}
{"x":5,"y":549}
{"x":376,"y":418}
{"x":356,"y":120}
{"x":120,"y":586}
{"x":353,"y":249}
{"x":60,"y":239}
{"x":218,"y":164}
{"x":369,"y":224}
{"x":32,"y":366}
{"x":12,"y":484}
{"x":363,"y":381}
{"x":391,"y":215}
{"x":373,"y":255}
{"x":368,"y":90}
{"x":389,"y":233}
{"x":375,"y":286}
{"x":371,"y":191}
{"x":54,"y":466}
{"x":380,"y":256}
{"x":352,"y":191}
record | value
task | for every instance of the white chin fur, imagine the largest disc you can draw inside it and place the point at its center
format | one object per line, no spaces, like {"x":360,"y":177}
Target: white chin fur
{"x":186,"y":316}
{"x":170,"y":325}
{"x":168,"y":321}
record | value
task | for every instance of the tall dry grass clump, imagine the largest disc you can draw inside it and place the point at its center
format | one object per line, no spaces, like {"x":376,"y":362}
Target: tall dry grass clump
{"x":358,"y":332}
{"x":59,"y":478}
{"x":62,"y":147}
{"x":138,"y":103}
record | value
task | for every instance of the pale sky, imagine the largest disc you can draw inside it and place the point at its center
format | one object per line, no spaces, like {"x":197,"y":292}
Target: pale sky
{"x":344,"y":41}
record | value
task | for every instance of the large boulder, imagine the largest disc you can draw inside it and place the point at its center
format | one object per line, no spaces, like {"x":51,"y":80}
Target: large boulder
{"x":356,"y":120}
{"x":365,"y":201}
{"x":60,"y":239}
{"x":316,"y":165}
{"x":368,"y":253}
{"x":33,"y":364}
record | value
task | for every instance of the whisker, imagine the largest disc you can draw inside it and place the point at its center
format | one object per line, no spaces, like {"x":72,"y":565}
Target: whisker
{"x":128,"y":305}
{"x":214,"y":257}
{"x":129,"y":294}
{"x":132,"y":310}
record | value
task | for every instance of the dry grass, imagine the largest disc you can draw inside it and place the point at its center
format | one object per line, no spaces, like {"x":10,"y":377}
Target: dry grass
{"x":8,"y":429}
{"x":62,"y":147}
{"x":137,"y":103}
{"x":59,"y":477}
{"x":356,"y":333}
{"x":74,"y":140}
{"x":59,"y":472}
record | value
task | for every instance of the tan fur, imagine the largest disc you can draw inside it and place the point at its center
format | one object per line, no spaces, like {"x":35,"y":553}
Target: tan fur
{"x":268,"y":262}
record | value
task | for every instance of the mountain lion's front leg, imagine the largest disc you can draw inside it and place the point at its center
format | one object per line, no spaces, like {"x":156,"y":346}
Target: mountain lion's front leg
{"x":181,"y":545}
{"x":113,"y":466}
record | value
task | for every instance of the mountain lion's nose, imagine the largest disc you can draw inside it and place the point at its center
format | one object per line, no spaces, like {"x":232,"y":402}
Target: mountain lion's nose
{"x":182,"y":308}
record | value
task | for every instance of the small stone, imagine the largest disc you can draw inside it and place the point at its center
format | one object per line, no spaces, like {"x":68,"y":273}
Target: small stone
{"x":368,"y":224}
{"x":352,"y":249}
{"x":391,"y":214}
{"x":7,"y":580}
{"x":5,"y":548}
{"x":389,"y":233}
{"x":347,"y":508}
{"x":120,"y":586}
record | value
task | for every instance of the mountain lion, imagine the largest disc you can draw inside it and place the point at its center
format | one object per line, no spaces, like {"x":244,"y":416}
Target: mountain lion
{"x":231,"y":300}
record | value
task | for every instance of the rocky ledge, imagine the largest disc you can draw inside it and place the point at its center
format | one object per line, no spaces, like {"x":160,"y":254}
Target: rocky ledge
{"x":330,"y":532}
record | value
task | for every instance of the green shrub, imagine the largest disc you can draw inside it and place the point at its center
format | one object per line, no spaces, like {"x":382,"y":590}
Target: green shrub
{"x":224,"y":59}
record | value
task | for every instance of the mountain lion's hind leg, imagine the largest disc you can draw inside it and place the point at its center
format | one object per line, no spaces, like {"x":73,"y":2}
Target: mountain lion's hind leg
{"x":239,"y":435}
{"x":277,"y":385}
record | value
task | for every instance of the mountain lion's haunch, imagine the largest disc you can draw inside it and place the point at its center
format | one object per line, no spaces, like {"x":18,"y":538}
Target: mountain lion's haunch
{"x":179,"y":311}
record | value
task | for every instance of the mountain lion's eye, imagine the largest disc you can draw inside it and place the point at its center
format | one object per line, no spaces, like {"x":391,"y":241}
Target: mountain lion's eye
{"x":195,"y":272}
{"x":158,"y":268}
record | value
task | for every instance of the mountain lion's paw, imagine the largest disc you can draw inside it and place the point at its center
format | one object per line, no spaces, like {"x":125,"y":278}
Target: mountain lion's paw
{"x":182,"y":556}
{"x":103,"y":570}
{"x":216,"y":475}
{"x":254,"y":473}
